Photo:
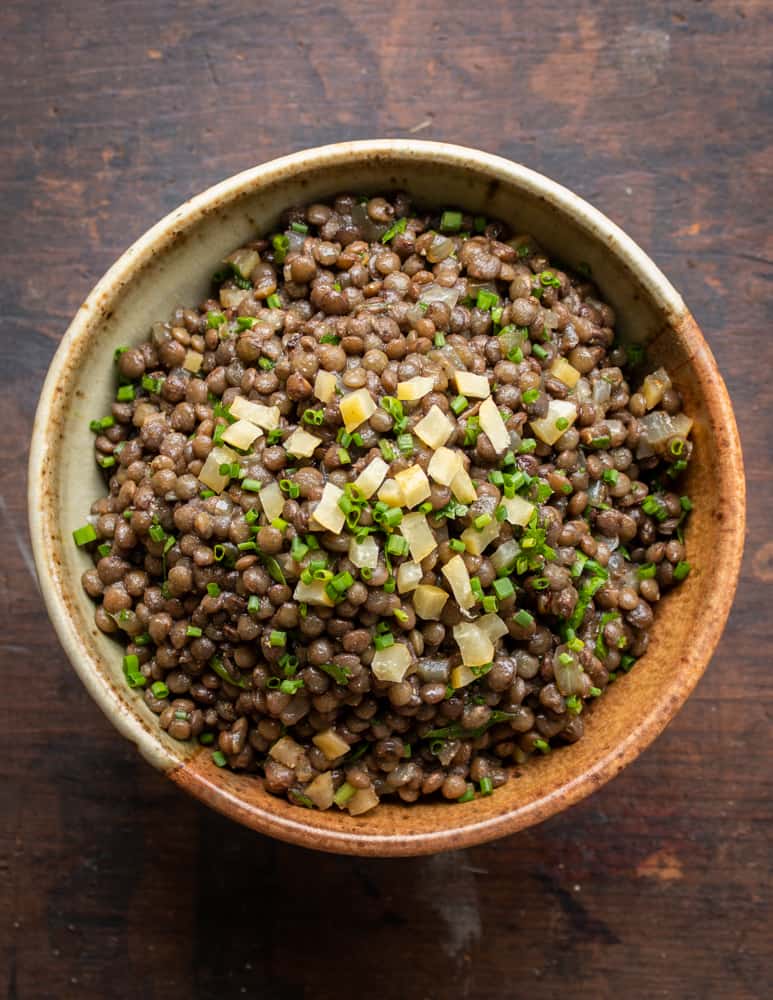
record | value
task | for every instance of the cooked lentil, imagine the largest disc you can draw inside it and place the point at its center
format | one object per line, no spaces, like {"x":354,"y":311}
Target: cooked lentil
{"x":514,"y":522}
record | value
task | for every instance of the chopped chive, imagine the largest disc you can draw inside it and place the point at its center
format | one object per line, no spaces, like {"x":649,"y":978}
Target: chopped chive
{"x":682,"y":570}
{"x":85,"y":535}
{"x":405,"y":444}
{"x":277,"y":638}
{"x":253,"y":604}
{"x":125,"y":393}
{"x":193,"y":632}
{"x":214,"y":320}
{"x":273,"y":301}
{"x":562,"y":423}
{"x":539,"y":351}
{"x":394,"y":229}
{"x":469,"y":795}
{"x":344,"y":793}
{"x":386,"y":450}
{"x":457,"y":545}
{"x":281,"y":244}
{"x":159,"y":690}
{"x":440,"y":340}
{"x":523,"y":618}
{"x":481,"y":521}
{"x":251,"y":485}
{"x":299,"y":227}
{"x":397,"y":545}
{"x":542,"y":745}
{"x":490,"y":603}
{"x":486,"y":299}
{"x":530,"y":396}
{"x":503,"y":588}
{"x":451,"y":222}
{"x":486,"y":786}
{"x":219,"y":758}
{"x":383,"y":641}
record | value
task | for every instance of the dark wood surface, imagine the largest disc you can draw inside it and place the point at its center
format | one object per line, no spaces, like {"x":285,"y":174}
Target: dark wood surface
{"x":112,"y":883}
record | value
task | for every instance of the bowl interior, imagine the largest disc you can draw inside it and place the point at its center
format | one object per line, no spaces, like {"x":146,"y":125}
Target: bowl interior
{"x":172,"y":265}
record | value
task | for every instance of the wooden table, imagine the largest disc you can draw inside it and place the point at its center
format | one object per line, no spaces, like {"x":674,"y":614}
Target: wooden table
{"x":116,"y":885}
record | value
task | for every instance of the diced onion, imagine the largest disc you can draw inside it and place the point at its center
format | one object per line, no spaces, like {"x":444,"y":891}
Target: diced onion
{"x":363,"y":800}
{"x":392,"y":663}
{"x":493,"y":626}
{"x":474,"y":645}
{"x":654,"y":386}
{"x":463,"y":488}
{"x":582,"y":391}
{"x":472,"y":385}
{"x":272,"y":500}
{"x":364,"y":554}
{"x":192,"y":361}
{"x":296,"y":241}
{"x":505,"y":555}
{"x":266,"y":417}
{"x":601,"y":392}
{"x":545,"y":427}
{"x":356,"y":407}
{"x":330,"y":743}
{"x":231,"y":298}
{"x":417,"y":532}
{"x":461,"y":677}
{"x":325,"y":386}
{"x":210,"y":472}
{"x":408,"y":576}
{"x":444,"y":465}
{"x":564,"y":372}
{"x":241,"y":434}
{"x":518,"y":510}
{"x":415,"y":388}
{"x":313,"y":593}
{"x":243,"y":261}
{"x":390,"y":493}
{"x":429,"y":601}
{"x":476,"y":541}
{"x":433,"y":670}
{"x":440,"y":248}
{"x":321,"y":790}
{"x":493,"y":425}
{"x":371,"y":477}
{"x":327,"y":513}
{"x":658,"y":427}
{"x":414,"y":485}
{"x":286,"y":751}
{"x":458,"y":578}
{"x":570,"y":677}
{"x":435,"y":428}
{"x":302,"y":444}
{"x":439,"y":293}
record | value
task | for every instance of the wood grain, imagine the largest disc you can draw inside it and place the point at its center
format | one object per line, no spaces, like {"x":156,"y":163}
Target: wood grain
{"x":111,"y":882}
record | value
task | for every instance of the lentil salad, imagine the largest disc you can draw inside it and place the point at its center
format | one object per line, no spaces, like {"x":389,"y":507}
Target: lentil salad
{"x":384,"y":513}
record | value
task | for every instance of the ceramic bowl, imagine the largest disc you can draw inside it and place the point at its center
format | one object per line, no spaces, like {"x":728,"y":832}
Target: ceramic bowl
{"x":171,"y":265}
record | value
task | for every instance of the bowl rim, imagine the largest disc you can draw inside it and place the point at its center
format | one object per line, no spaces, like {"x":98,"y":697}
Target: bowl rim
{"x":49,"y":570}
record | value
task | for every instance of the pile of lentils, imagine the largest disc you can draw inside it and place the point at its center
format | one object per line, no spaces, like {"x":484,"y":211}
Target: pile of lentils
{"x":340,"y":657}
